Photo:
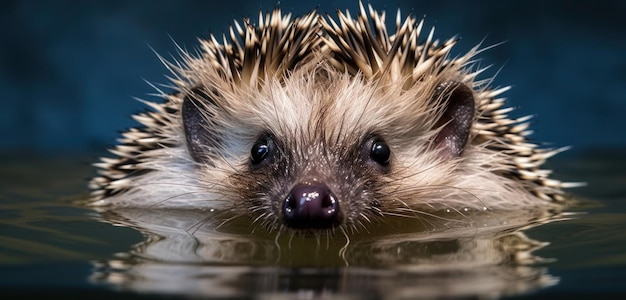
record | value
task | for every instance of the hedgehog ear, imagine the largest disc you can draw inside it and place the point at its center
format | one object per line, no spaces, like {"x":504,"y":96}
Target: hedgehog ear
{"x":196,"y":122}
{"x":455,"y":122}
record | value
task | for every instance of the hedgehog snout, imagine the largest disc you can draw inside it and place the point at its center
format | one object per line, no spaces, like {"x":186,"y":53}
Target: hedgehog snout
{"x":311,"y":206}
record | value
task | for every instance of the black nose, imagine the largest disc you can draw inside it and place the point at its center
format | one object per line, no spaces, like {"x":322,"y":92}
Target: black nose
{"x":311,"y":206}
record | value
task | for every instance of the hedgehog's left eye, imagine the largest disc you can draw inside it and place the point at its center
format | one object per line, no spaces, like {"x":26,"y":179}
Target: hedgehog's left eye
{"x":378,"y":152}
{"x":261,"y":151}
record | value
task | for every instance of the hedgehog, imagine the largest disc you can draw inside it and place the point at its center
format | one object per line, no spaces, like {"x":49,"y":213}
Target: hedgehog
{"x":322,"y":122}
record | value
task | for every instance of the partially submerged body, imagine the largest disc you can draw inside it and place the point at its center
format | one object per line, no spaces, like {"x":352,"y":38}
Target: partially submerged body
{"x":314,"y":123}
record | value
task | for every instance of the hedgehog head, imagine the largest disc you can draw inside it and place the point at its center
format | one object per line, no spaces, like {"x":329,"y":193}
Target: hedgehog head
{"x":322,"y":123}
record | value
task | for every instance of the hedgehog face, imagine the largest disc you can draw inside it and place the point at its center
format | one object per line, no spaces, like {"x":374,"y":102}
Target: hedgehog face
{"x":324,"y":150}
{"x":302,"y":166}
{"x":313,"y":184}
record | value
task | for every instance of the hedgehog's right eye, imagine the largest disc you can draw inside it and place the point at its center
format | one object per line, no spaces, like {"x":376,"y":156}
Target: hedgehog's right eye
{"x":261,"y":151}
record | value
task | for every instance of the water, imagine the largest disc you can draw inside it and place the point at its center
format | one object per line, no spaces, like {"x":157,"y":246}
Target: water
{"x":51,"y":245}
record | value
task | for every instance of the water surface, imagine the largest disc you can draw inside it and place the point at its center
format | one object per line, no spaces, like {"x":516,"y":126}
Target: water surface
{"x":49,"y":244}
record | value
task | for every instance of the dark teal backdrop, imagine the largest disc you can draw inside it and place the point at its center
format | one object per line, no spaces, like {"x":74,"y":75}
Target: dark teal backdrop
{"x":69,"y":69}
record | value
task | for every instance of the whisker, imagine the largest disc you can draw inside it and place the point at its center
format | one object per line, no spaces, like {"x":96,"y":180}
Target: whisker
{"x":171,"y":198}
{"x":277,"y":244}
{"x":344,"y":249}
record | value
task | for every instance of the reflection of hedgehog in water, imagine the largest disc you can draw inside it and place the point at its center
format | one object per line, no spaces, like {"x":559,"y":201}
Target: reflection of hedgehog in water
{"x":316,"y":123}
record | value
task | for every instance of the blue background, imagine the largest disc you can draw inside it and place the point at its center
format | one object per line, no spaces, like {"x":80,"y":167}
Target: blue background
{"x":69,"y":69}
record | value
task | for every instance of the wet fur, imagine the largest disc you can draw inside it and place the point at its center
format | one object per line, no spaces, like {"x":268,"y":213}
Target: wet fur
{"x":321,"y":102}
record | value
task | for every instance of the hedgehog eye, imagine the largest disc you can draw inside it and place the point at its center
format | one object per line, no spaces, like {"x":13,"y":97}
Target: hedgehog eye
{"x":261,"y":151}
{"x":380,"y":152}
